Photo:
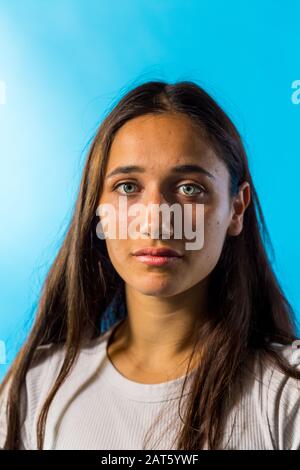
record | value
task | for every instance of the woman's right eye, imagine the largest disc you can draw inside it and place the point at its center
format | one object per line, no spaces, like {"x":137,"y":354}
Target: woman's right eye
{"x":124,"y":184}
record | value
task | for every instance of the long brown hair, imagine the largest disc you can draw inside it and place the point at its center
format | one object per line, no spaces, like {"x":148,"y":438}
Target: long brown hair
{"x":249,"y":312}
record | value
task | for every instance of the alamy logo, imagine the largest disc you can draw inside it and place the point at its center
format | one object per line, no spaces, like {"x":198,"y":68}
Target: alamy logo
{"x":296,"y":94}
{"x":188,"y":225}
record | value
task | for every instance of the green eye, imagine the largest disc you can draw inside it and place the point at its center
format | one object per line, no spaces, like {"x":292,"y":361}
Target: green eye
{"x":192,"y":189}
{"x":193,"y":186}
{"x":125,"y":184}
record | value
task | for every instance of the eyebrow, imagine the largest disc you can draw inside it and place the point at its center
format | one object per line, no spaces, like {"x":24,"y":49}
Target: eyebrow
{"x":179,"y":169}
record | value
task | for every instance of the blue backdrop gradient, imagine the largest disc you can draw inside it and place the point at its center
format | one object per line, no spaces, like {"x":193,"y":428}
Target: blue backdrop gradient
{"x":62,"y":66}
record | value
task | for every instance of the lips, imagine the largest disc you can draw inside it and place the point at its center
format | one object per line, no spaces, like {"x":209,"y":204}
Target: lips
{"x":162,"y":252}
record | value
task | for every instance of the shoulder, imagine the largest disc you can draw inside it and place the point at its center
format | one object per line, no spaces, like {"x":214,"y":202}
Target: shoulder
{"x":33,"y":384}
{"x":281,"y":383}
{"x":40,"y":376}
{"x":282,"y":392}
{"x":48,"y":360}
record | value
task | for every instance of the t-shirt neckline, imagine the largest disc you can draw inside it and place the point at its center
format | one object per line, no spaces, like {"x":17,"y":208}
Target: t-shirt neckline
{"x":140,"y":391}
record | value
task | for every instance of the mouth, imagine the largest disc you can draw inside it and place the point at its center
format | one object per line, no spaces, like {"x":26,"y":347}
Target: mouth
{"x":158,"y":256}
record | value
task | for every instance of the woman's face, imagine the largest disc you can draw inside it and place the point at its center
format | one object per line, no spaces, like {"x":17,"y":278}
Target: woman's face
{"x":156,"y":144}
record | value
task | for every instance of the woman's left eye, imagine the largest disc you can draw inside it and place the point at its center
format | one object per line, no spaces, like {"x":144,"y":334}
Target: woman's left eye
{"x":189,"y":185}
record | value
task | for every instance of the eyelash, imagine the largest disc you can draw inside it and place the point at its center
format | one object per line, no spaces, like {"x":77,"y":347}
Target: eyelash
{"x":186,"y":184}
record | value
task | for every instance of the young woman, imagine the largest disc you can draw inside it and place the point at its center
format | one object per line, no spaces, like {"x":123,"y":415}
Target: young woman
{"x":192,"y":349}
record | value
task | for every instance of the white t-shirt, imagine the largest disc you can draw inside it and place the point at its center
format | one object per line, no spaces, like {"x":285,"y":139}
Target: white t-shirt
{"x":99,"y":408}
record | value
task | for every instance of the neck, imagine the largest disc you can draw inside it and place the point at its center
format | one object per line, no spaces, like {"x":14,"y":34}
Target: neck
{"x":161,"y":330}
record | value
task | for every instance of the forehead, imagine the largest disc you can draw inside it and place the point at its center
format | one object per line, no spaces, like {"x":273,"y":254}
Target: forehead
{"x":161,"y":141}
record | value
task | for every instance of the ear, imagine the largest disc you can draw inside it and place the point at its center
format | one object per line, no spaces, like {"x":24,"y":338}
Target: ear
{"x":239,"y":205}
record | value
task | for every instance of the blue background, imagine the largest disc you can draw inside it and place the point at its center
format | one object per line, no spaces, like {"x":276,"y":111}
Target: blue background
{"x":64,"y":62}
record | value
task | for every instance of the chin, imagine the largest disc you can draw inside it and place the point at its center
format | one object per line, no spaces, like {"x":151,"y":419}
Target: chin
{"x":158,"y":288}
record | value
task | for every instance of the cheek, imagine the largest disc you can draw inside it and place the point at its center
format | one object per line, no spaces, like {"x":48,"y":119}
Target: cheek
{"x":117,"y":219}
{"x":216,"y":220}
{"x":117,"y":252}
{"x":215,"y":229}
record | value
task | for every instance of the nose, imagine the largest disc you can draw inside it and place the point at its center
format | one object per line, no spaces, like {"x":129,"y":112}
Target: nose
{"x":156,"y":222}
